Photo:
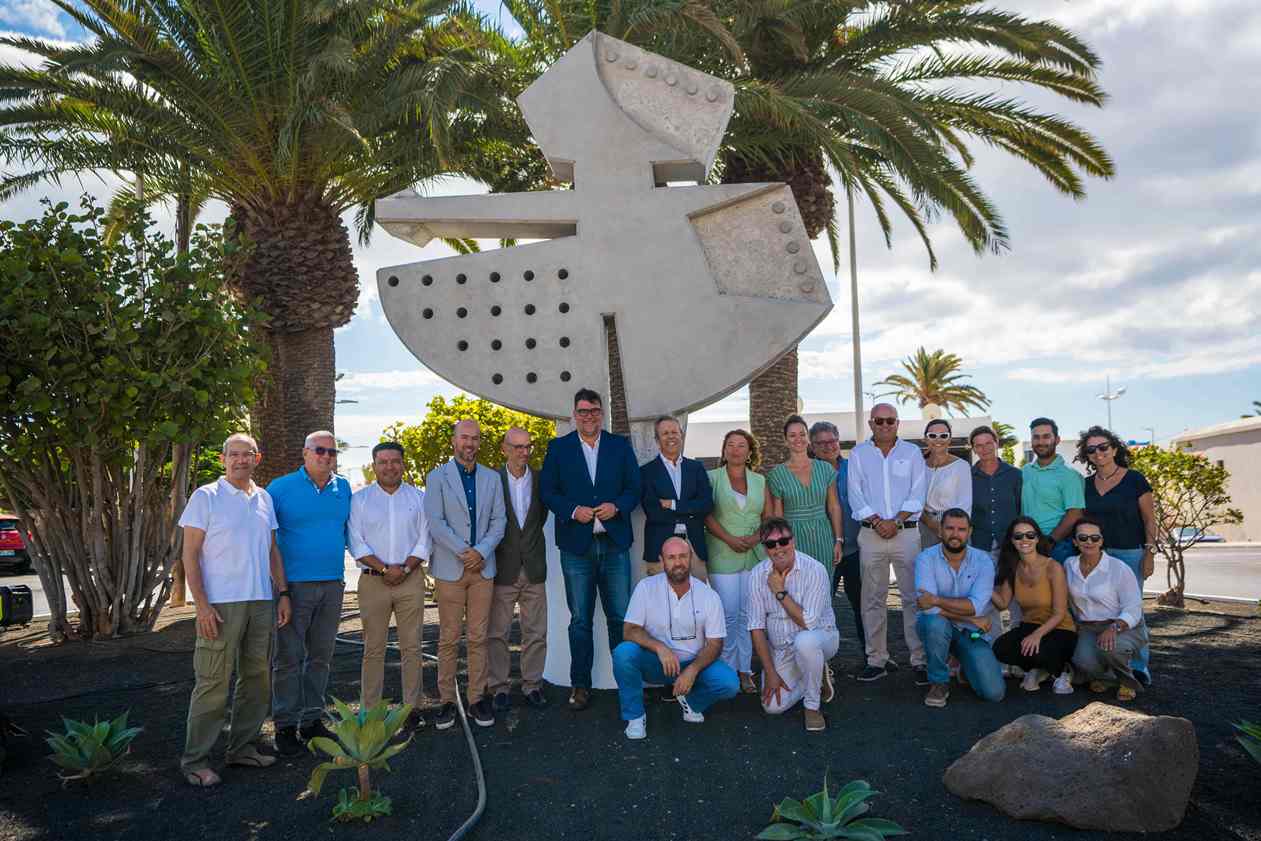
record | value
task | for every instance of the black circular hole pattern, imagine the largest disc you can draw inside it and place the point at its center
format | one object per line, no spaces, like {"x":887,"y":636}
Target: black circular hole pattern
{"x":496,"y":310}
{"x":529,"y":275}
{"x":530,"y":343}
{"x":392,"y":280}
{"x":564,"y":341}
{"x":496,"y":345}
{"x":427,"y":312}
{"x":565,"y":376}
{"x":461,"y":312}
{"x":461,"y":278}
{"x":463,"y":345}
{"x":531,"y":377}
{"x":497,"y":379}
{"x":494,"y":277}
{"x":564,"y":308}
{"x":427,"y":280}
{"x":563,"y":273}
{"x":529,"y":309}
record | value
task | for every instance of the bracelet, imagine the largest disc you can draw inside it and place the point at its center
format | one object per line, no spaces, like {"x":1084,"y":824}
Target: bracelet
{"x":284,"y":594}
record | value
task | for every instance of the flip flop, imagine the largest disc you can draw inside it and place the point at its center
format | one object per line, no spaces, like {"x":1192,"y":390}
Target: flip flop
{"x":202,"y":778}
{"x":253,"y":759}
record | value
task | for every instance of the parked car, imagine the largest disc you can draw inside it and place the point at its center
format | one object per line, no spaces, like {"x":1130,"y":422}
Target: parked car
{"x":14,"y":556}
{"x":1187,"y":534}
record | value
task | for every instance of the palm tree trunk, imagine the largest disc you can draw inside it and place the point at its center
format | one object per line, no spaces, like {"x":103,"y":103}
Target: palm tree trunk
{"x":772,"y":398}
{"x":297,"y":398}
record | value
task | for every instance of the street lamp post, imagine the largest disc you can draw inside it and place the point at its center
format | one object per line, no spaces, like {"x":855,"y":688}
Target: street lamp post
{"x":853,"y":306}
{"x":1108,"y":396}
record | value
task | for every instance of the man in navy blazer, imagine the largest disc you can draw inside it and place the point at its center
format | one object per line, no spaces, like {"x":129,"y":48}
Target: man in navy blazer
{"x":590,"y":481}
{"x":676,"y":496}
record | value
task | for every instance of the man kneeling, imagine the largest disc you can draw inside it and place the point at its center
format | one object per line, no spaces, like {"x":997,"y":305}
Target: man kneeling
{"x":673,"y":633}
{"x":792,"y":624}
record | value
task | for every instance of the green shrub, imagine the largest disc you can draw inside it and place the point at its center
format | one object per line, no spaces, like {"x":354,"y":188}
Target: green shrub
{"x":91,"y":748}
{"x":1250,"y":737}
{"x":363,"y":742}
{"x":821,"y":816}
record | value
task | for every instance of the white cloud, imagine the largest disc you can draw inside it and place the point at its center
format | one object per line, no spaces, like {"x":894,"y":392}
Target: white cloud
{"x":40,"y":16}
{"x":359,"y":382}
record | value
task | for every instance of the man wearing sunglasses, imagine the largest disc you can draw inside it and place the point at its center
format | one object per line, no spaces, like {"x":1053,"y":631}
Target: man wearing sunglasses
{"x":793,"y":626}
{"x":1052,"y":493}
{"x":312,"y":510}
{"x":673,"y":634}
{"x":887,"y":485}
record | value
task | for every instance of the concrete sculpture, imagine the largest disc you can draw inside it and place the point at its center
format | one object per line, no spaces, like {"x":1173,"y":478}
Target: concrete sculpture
{"x":703,"y":287}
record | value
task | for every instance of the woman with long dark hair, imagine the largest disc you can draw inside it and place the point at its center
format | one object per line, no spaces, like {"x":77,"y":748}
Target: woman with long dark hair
{"x":1043,"y":643}
{"x":1121,"y":499}
{"x":803,"y":492}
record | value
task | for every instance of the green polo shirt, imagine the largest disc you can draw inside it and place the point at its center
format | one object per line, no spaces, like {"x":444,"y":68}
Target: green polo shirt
{"x":1047,"y":492}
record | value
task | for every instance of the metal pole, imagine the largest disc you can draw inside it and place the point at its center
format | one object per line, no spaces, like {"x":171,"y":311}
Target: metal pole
{"x":853,"y":304}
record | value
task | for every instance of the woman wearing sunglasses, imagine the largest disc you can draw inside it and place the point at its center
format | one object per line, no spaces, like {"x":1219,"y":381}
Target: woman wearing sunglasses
{"x":949,"y":482}
{"x":1108,"y":607}
{"x":1121,"y":500}
{"x":1044,"y":641}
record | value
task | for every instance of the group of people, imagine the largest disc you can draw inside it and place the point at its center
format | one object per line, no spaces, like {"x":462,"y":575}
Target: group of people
{"x":736,"y":562}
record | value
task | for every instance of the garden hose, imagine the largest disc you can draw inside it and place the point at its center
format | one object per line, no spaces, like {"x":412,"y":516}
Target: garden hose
{"x":472,"y":819}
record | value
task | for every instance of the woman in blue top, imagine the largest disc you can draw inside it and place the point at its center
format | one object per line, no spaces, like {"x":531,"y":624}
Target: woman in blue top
{"x":1120,"y":498}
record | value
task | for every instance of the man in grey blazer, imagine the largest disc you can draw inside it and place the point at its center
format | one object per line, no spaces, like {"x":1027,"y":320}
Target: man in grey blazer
{"x":464,"y":503}
{"x":521,"y":563}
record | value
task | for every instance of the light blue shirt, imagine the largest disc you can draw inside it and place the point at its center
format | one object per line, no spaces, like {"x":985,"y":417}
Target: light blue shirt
{"x":974,"y":580}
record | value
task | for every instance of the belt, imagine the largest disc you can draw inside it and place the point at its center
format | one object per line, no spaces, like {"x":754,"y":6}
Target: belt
{"x":903,"y":525}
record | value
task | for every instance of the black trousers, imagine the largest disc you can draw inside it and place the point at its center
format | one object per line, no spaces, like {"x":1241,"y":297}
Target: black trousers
{"x":849,"y":570}
{"x":1054,"y":653}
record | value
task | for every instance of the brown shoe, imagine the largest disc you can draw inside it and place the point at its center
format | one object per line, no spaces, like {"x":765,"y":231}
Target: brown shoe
{"x":579,"y":698}
{"x":747,"y":684}
{"x":815,"y":721}
{"x":937,"y":695}
{"x":251,"y":757}
{"x":827,"y":691}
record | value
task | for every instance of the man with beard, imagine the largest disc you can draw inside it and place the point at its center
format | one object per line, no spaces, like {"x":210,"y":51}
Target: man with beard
{"x":673,"y":634}
{"x":1052,"y":493}
{"x":954,"y":582}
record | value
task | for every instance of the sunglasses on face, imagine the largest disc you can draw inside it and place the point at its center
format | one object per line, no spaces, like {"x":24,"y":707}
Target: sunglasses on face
{"x":1098,"y":448}
{"x":1089,"y":538}
{"x":325,"y":451}
{"x":771,"y":543}
{"x":884,"y":421}
{"x":937,"y":436}
{"x":1024,"y":535}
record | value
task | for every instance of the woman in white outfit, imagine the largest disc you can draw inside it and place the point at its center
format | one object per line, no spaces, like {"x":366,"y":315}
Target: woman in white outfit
{"x":949,"y":482}
{"x":741,"y":502}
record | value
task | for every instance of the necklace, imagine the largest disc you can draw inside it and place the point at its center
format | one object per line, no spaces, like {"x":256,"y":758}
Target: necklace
{"x":1108,"y":478}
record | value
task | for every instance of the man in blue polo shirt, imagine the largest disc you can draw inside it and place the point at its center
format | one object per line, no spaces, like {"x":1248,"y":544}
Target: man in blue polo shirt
{"x":312,"y":507}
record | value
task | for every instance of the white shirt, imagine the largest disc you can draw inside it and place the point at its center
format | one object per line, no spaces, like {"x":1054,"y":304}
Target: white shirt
{"x":886,"y":485}
{"x":519,"y":492}
{"x":236,"y":554}
{"x":674,"y":469}
{"x":949,"y":486}
{"x":591,"y":452}
{"x":670,"y":619}
{"x":1109,"y":592}
{"x":807,"y":584}
{"x":391,"y":526}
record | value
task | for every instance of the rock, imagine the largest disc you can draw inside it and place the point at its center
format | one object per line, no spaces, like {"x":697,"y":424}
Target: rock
{"x":1102,"y":767}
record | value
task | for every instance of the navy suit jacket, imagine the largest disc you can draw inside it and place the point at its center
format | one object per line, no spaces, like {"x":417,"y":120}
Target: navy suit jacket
{"x":565,"y":484}
{"x":690,"y":509}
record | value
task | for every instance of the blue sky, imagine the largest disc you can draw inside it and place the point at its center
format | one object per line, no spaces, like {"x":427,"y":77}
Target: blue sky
{"x":1154,"y":279}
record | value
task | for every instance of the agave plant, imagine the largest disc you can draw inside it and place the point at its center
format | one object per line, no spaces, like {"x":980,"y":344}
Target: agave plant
{"x":363,"y":743}
{"x":822,"y":816}
{"x":1250,"y":737}
{"x":88,"y":749}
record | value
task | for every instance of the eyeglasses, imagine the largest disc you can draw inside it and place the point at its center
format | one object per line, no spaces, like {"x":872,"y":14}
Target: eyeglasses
{"x":1098,"y":448}
{"x":692,"y":595}
{"x":884,"y":421}
{"x":521,"y":446}
{"x":1024,"y":535}
{"x":771,"y":543}
{"x":325,"y":451}
{"x":937,"y":436}
{"x":589,"y":413}
{"x":824,"y":442}
{"x":1089,"y":538}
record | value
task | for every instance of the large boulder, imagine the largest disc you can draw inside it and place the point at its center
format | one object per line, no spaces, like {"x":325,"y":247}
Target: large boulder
{"x":1102,"y":767}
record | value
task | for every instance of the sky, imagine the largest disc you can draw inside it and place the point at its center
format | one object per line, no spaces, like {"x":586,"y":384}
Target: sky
{"x":1154,"y":280}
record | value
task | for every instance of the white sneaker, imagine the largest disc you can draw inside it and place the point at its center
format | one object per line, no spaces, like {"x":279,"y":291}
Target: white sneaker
{"x":1063,"y":684}
{"x":1015,"y":671}
{"x":637,"y":728}
{"x":1033,"y":679}
{"x":690,"y":715}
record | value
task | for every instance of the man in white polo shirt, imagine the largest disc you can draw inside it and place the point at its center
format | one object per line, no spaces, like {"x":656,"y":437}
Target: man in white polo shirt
{"x":673,"y":634}
{"x":232,"y":564}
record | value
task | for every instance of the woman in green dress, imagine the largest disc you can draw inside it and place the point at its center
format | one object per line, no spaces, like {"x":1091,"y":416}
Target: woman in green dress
{"x":741,"y":502}
{"x":803,"y":491}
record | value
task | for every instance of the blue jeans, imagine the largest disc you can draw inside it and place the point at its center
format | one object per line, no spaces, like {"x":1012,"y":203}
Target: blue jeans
{"x":1063,"y":550}
{"x":980,"y":666}
{"x":632,"y":665}
{"x":606,"y":568}
{"x":1133,"y":558}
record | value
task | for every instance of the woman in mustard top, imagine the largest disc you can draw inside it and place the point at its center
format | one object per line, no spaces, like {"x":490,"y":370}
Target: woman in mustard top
{"x":1042,"y":644}
{"x":741,"y":502}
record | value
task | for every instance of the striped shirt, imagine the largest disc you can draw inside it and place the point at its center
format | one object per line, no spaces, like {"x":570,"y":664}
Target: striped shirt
{"x":807,"y":585}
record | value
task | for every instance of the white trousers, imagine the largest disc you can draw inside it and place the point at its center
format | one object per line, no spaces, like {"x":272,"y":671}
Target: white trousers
{"x":737,"y":649}
{"x":876,"y":555}
{"x":801,"y":668}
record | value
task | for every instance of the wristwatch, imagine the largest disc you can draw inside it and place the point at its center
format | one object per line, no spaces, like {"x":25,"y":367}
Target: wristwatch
{"x":282,"y":594}
{"x":1116,"y":626}
{"x":781,"y":595}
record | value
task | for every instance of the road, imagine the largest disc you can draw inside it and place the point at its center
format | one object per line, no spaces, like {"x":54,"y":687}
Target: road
{"x":1230,"y":571}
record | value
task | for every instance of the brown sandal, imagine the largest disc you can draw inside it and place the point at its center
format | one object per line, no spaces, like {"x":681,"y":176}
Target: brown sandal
{"x":202,"y":778}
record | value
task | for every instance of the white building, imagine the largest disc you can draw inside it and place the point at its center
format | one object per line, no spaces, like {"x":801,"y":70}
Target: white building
{"x":1235,"y":445}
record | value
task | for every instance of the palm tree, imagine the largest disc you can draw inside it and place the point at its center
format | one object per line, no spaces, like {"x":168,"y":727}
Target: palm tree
{"x":931,"y":379}
{"x":290,"y":113}
{"x":1256,"y":410}
{"x":879,"y":92}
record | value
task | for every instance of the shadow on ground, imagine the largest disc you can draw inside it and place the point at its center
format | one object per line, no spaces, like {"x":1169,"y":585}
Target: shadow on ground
{"x":560,"y":775}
